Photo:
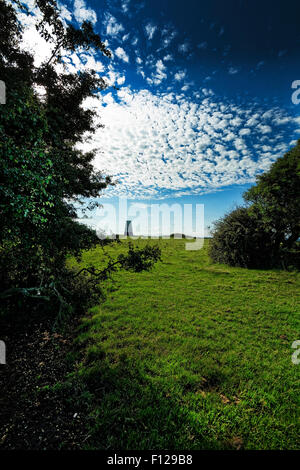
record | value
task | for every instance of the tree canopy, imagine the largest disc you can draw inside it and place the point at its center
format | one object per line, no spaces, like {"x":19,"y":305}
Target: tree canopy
{"x":265,"y":232}
{"x":43,"y":173}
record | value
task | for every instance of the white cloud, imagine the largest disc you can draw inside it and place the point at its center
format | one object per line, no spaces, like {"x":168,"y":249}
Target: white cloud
{"x":121,"y":54}
{"x":168,"y":37}
{"x":245,"y":131}
{"x":232,"y":70}
{"x":125,"y":5}
{"x":141,"y":72}
{"x":73,"y":62}
{"x":120,"y":80}
{"x":113,"y":28}
{"x":183,"y":48}
{"x":64,"y":12}
{"x":159,"y":75}
{"x":82,"y":13}
{"x":157,"y":144}
{"x":264,"y":129}
{"x":112,"y":76}
{"x":154,"y":144}
{"x":160,"y":65}
{"x":150,"y":29}
{"x":31,"y":39}
{"x":180,"y":75}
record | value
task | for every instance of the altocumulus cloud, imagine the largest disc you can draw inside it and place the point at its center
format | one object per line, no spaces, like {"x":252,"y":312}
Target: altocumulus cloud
{"x":83,"y":13}
{"x":150,"y":30}
{"x":121,"y":54}
{"x":163,"y":144}
{"x":160,"y":144}
{"x":113,"y":28}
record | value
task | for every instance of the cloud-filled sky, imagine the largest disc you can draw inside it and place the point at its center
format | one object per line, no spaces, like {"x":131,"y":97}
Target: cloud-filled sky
{"x":203,"y":102}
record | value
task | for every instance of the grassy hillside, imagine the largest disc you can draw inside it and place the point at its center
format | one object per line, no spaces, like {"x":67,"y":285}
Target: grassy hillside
{"x":193,"y":356}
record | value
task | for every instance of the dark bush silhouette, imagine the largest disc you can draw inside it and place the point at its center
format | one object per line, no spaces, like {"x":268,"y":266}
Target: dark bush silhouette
{"x":239,"y":239}
{"x":266,"y":232}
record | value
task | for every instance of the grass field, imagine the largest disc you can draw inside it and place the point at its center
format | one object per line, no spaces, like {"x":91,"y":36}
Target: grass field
{"x":193,"y":355}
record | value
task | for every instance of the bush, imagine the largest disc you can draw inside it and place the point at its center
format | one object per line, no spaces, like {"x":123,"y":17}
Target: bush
{"x":266,"y":232}
{"x":239,"y":239}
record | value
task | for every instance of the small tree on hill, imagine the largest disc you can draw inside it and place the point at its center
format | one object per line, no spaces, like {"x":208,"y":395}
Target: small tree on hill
{"x":276,"y":198}
{"x":239,"y":239}
{"x":264,"y":233}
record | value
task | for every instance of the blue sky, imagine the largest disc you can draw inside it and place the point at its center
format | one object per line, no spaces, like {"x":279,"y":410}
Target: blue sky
{"x":204,"y":95}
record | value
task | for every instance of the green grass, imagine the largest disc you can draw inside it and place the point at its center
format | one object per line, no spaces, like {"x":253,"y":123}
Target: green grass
{"x":193,"y":355}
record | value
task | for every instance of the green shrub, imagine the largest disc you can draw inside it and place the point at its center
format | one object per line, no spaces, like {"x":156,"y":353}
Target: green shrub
{"x":266,"y":232}
{"x":239,"y":239}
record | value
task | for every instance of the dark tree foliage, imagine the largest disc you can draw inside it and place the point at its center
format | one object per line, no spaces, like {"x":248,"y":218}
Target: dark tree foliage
{"x":276,"y":198}
{"x":240,"y":240}
{"x":140,"y":259}
{"x":42,"y":173}
{"x":266,"y":232}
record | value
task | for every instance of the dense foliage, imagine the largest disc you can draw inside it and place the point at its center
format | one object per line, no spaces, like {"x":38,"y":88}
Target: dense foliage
{"x":239,"y":240}
{"x":265,"y":233}
{"x":43,"y":175}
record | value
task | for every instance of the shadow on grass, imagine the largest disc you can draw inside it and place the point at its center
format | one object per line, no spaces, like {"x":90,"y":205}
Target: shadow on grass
{"x":131,"y":413}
